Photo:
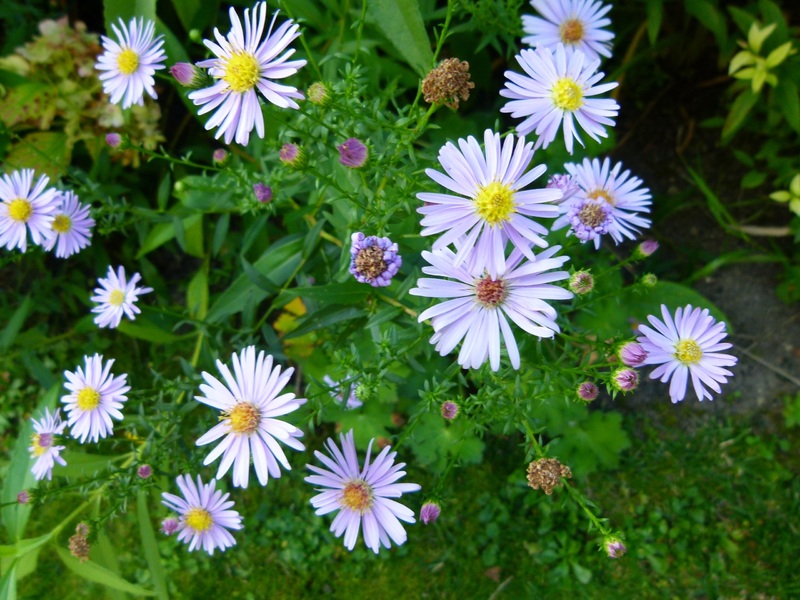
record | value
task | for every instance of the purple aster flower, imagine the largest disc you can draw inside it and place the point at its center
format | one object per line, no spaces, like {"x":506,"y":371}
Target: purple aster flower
{"x":632,"y":354}
{"x":685,"y":347}
{"x":449,"y":410}
{"x":72,"y":226}
{"x":577,"y":24}
{"x":589,"y":219}
{"x":352,"y":153}
{"x":250,"y":400}
{"x":43,"y":447}
{"x":96,"y":396}
{"x":263,"y":192}
{"x":566,"y":184}
{"x":26,"y":207}
{"x":117,"y":296}
{"x":479,"y":305}
{"x":625,"y":380}
{"x":429,"y":512}
{"x":169,"y":525}
{"x":205,"y":515}
{"x":113,"y":139}
{"x":491,"y":206}
{"x":374,"y":260}
{"x":363,"y":497}
{"x":623,"y":193}
{"x":558,"y":87}
{"x":245,"y":65}
{"x":587,"y":391}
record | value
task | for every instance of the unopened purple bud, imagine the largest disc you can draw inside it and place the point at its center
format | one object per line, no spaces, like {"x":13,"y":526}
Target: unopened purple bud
{"x":186,"y":74}
{"x":632,"y":354}
{"x":144,"y":471}
{"x":449,"y":410}
{"x":292,"y":155}
{"x":23,"y":497}
{"x":169,"y":525}
{"x":263,"y":192}
{"x":352,"y":153}
{"x":113,"y":139}
{"x":220,"y":156}
{"x":614,"y":547}
{"x":625,"y":380}
{"x":429,"y":512}
{"x":646,"y":248}
{"x":587,"y":391}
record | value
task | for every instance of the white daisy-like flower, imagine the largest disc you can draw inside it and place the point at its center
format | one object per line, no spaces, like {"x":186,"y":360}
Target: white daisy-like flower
{"x":25,"y":207}
{"x":492,"y":207}
{"x":558,"y":87}
{"x":363,"y":497}
{"x":480,"y":306}
{"x":249,"y":402}
{"x":578,"y":24}
{"x":244,"y":66}
{"x":117,"y":296}
{"x":130,"y":61}
{"x":72,"y":226}
{"x":205,"y":514}
{"x":688,"y":346}
{"x":620,"y":192}
{"x":43,"y":447}
{"x":96,"y":396}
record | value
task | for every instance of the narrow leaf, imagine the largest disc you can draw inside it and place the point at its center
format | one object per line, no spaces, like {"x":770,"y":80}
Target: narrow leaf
{"x":15,"y":323}
{"x":401,"y":22}
{"x":91,"y":571}
{"x":150,"y":546}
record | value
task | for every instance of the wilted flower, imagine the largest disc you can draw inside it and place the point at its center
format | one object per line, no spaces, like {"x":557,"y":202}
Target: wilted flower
{"x":448,"y":83}
{"x":449,"y":410}
{"x":625,"y":380}
{"x":632,"y":354}
{"x":587,"y":391}
{"x":263,"y":192}
{"x":352,"y":153}
{"x":581,"y":282}
{"x":546,"y":473}
{"x":79,"y":545}
{"x":373,"y":260}
{"x":429,"y":512}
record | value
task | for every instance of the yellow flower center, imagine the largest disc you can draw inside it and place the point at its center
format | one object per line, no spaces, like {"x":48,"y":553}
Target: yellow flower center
{"x":571,"y":31}
{"x":62,"y":224}
{"x":602,"y":194}
{"x":20,"y":210}
{"x":198,"y":519}
{"x":495,"y":203}
{"x":567,"y":94}
{"x":688,"y":352}
{"x":88,"y":398}
{"x":592,"y":215}
{"x":242,"y":71}
{"x":127,"y":61}
{"x":490,"y":292}
{"x":116,"y":297}
{"x":357,"y":495}
{"x":244,"y":418}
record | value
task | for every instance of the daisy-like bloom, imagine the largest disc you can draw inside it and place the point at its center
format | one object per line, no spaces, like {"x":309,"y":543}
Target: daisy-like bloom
{"x":249,"y":402}
{"x":42,"y":446}
{"x":362,"y":496}
{"x":619,"y":191}
{"x":95,"y":397}
{"x":130,"y":61}
{"x":589,"y":219}
{"x":578,"y":24}
{"x":481,"y":305}
{"x":492,"y":207}
{"x":206,"y":515}
{"x":117,"y":296}
{"x":688,"y":346}
{"x":337,"y":393}
{"x":373,"y":260}
{"x":72,"y":227}
{"x":558,"y":86}
{"x":244,"y":66}
{"x":26,"y":207}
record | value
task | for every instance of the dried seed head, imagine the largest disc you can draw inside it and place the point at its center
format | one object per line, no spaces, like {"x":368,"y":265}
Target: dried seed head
{"x":546,"y":473}
{"x":79,"y":546}
{"x":448,"y":83}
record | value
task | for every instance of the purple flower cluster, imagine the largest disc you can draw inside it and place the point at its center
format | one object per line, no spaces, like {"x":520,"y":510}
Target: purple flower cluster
{"x":374,"y":260}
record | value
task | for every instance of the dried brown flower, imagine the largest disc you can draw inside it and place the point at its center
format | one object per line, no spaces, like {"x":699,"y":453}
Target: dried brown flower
{"x":546,"y":473}
{"x":79,"y":546}
{"x":448,"y":83}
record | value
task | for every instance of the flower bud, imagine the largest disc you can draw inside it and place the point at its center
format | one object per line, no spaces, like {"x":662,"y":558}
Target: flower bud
{"x":263,"y":192}
{"x":319,"y":94}
{"x":581,"y":282}
{"x":220,"y":156}
{"x":188,"y":75}
{"x":632,"y":354}
{"x":23,"y":497}
{"x":449,"y":410}
{"x":614,"y":547}
{"x":144,"y":471}
{"x":429,"y":512}
{"x":113,"y":139}
{"x":169,"y":525}
{"x":645,"y":249}
{"x":587,"y":391}
{"x":625,"y":380}
{"x":352,"y":153}
{"x":649,"y":280}
{"x":292,"y":156}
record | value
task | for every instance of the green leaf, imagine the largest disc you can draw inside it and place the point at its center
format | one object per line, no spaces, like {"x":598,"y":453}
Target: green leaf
{"x":262,"y":282}
{"x":22,"y":547}
{"x":186,"y":9}
{"x":325,"y":317}
{"x":161,"y":233}
{"x":197,"y":294}
{"x":753,"y":179}
{"x":220,"y":233}
{"x":8,"y":582}
{"x":91,"y":571}
{"x":787,"y":98}
{"x":150,"y":546}
{"x":82,"y":464}
{"x":145,"y":329}
{"x":436,"y":439}
{"x":15,"y":323}
{"x":655,"y":12}
{"x":742,"y":18}
{"x":47,"y":152}
{"x":349,"y":292}
{"x":711,"y":18}
{"x":778,"y":55}
{"x":127,"y":9}
{"x":401,"y":22}
{"x":736,"y":117}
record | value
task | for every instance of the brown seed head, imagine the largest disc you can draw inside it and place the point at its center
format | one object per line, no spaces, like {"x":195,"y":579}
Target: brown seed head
{"x":448,"y":83}
{"x":79,"y":546}
{"x":546,"y":473}
{"x":370,"y":263}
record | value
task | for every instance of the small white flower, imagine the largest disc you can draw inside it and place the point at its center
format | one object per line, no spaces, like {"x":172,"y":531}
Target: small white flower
{"x":130,"y":61}
{"x":578,"y":24}
{"x":117,"y":296}
{"x":96,"y":396}
{"x":249,"y":402}
{"x":24,"y":209}
{"x":72,"y":227}
{"x":43,"y":447}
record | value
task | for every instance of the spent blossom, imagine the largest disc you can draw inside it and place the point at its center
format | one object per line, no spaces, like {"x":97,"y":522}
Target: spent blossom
{"x":374,"y":260}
